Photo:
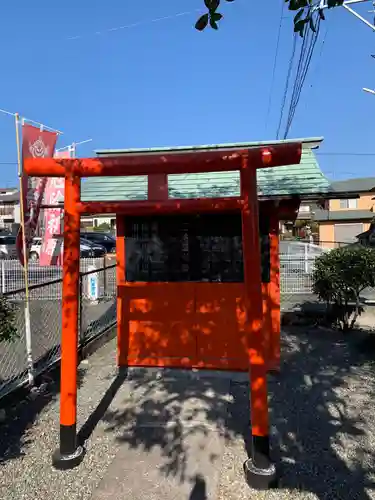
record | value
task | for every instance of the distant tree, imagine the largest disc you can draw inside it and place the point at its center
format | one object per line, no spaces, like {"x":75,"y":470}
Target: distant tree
{"x":307,"y":13}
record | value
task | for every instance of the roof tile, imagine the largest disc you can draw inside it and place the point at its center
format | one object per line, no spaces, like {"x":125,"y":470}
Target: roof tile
{"x":304,"y":178}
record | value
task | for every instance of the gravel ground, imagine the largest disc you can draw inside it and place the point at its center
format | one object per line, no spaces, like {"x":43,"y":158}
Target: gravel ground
{"x":322,"y":420}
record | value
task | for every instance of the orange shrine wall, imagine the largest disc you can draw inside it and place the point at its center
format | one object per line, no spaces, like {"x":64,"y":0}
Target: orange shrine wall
{"x":183,"y":325}
{"x":192,"y":324}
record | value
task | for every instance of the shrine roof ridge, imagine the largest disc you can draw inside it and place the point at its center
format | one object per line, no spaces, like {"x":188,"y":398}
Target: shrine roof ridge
{"x":307,"y":143}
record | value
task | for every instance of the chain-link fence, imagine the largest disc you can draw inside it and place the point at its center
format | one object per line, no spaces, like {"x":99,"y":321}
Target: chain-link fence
{"x":98,"y":291}
{"x":12,"y":276}
{"x":98,"y":304}
{"x":97,"y":314}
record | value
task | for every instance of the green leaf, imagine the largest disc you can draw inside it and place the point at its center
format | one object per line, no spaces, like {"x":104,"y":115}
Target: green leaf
{"x":202,"y":22}
{"x":334,"y":3}
{"x":8,"y":330}
{"x":293,"y":5}
{"x":217,"y":16}
{"x":297,"y":4}
{"x":299,"y":26}
{"x":212,"y":5}
{"x":298,"y":16}
{"x":312,"y":25}
{"x":213,"y":24}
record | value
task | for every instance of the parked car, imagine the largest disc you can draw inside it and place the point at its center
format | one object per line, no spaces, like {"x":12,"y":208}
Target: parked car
{"x":104,"y":239}
{"x":35,"y":249}
{"x":87,"y":249}
{"x":94,"y":249}
{"x":8,"y":249}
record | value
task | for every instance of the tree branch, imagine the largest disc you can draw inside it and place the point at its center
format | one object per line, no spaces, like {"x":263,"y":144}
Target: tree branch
{"x":308,"y":12}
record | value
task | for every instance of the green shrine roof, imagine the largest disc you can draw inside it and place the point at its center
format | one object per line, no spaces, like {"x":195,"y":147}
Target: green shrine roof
{"x":304,"y":179}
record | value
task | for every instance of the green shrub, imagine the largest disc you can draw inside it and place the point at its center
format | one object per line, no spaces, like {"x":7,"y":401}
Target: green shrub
{"x":7,"y":318}
{"x":339,"y":277}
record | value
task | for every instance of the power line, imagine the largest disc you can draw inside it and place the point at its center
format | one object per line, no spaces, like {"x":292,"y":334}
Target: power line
{"x":287,"y":84}
{"x":136,"y":24}
{"x":321,"y":48}
{"x":344,"y":154}
{"x":275,"y":62}
{"x":306,"y":53}
{"x":297,"y":78}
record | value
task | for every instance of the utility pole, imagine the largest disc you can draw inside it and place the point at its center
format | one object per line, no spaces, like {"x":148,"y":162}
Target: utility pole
{"x":347,"y":6}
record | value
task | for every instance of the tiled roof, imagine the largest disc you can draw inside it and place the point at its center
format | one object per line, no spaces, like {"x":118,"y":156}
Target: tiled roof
{"x":358,"y":185}
{"x":305,"y":178}
{"x":343,"y":215}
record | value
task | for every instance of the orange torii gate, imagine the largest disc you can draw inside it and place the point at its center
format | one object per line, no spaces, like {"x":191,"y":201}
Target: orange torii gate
{"x":261,"y":351}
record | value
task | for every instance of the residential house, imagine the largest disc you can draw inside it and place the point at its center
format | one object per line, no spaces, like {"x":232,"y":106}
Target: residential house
{"x":348,"y":215}
{"x":9,"y":209}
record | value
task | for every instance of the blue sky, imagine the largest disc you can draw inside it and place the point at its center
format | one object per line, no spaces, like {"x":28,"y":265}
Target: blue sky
{"x":162,"y":83}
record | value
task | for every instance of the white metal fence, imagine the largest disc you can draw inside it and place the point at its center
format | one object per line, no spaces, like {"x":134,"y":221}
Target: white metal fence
{"x":296,"y":267}
{"x":12,"y":277}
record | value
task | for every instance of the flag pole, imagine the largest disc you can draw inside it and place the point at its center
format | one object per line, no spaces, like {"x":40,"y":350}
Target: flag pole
{"x":30,"y":364}
{"x":41,"y":125}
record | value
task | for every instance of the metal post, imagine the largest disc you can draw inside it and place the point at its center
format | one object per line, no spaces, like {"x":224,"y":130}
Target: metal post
{"x":29,"y":350}
{"x":105,"y":276}
{"x":81,"y":330}
{"x":346,"y":5}
{"x":3,"y":279}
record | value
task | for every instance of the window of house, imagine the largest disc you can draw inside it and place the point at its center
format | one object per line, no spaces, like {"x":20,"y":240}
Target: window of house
{"x":304,"y":208}
{"x":349,"y":203}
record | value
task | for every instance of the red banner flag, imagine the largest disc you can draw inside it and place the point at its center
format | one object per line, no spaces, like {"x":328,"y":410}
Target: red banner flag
{"x":36,"y":143}
{"x":51,"y":250}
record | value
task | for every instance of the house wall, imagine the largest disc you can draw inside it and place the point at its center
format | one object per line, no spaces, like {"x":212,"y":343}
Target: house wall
{"x":9,"y":214}
{"x":327,"y":232}
{"x":97,"y":220}
{"x":104,"y":219}
{"x":365,"y":202}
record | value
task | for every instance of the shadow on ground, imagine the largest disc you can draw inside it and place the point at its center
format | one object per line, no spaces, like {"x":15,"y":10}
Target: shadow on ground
{"x":321,"y":407}
{"x":319,"y":431}
{"x":23,"y":412}
{"x":199,"y":491}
